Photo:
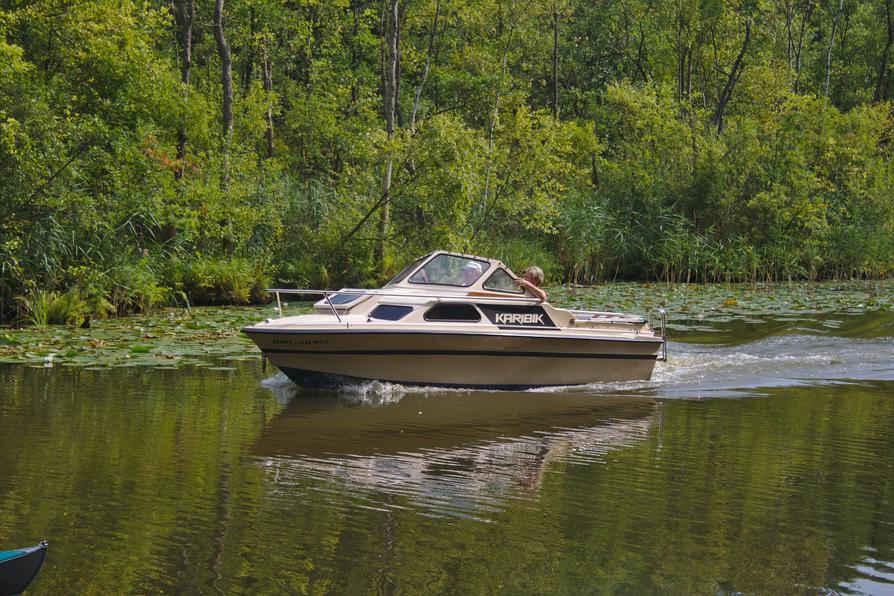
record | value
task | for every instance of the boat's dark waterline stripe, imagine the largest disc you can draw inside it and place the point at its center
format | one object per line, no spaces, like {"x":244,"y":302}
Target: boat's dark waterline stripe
{"x":307,"y":378}
{"x":463,"y":353}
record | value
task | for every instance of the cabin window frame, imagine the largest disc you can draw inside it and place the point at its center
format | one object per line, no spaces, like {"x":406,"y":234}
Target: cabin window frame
{"x":344,"y":298}
{"x":409,"y":309}
{"x":474,"y":308}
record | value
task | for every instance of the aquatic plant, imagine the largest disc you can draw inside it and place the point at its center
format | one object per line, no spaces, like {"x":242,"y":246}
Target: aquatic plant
{"x":42,"y":308}
{"x":36,"y":306}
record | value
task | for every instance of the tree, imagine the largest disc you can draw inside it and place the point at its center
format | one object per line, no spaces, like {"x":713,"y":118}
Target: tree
{"x":226,"y":78}
{"x":884,"y":68}
{"x":391,"y":28}
{"x":186,"y":11}
{"x":732,"y":77}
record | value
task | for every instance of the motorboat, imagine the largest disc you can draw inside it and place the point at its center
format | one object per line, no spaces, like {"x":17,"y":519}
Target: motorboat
{"x":456,"y":320}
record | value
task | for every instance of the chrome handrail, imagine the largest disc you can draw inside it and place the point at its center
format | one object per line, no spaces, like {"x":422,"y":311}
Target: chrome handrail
{"x":329,"y":302}
{"x":663,"y":314}
{"x":325,"y":294}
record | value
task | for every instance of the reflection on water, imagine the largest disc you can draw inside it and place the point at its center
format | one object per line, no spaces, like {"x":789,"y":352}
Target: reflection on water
{"x":452,"y":453}
{"x":203,"y":481}
{"x":871,"y":576}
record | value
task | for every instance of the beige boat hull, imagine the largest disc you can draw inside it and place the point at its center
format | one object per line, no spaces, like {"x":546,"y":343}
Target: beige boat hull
{"x":460,"y":359}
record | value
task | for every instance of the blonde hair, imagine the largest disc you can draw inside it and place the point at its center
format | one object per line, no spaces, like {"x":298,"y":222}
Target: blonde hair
{"x":537,"y":272}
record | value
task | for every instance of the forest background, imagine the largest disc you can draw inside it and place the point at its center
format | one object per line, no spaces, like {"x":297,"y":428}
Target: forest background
{"x":195,"y":151}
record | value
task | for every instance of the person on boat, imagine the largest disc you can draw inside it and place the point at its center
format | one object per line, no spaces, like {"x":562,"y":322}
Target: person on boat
{"x":531,"y":280}
{"x":470,"y":273}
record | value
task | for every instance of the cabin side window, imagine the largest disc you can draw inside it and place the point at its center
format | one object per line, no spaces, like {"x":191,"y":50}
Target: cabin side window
{"x":501,"y":281}
{"x":466,"y":313}
{"x":390,"y":312}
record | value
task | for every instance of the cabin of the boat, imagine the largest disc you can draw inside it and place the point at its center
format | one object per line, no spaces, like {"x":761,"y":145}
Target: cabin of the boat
{"x":448,"y":287}
{"x":442,"y":273}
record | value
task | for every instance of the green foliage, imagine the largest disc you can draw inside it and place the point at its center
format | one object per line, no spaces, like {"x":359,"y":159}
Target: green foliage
{"x":42,"y":308}
{"x":209,"y":281}
{"x":37,"y":307}
{"x":136,"y":288}
{"x":521,"y":253}
{"x":643,"y":156}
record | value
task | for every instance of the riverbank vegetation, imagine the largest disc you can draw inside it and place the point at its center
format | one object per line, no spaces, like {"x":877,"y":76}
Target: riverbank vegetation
{"x":197,"y":151}
{"x":211,"y":336}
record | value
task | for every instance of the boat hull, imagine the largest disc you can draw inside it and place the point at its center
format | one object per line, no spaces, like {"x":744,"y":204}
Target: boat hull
{"x":19,"y":568}
{"x":476,"y":360}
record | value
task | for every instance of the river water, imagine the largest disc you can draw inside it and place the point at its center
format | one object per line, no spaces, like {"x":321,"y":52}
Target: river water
{"x":759,"y":459}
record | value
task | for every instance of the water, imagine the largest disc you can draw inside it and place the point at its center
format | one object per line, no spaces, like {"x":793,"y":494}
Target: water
{"x":759,"y":459}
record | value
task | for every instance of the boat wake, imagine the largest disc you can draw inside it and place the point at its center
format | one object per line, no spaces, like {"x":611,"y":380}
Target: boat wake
{"x":369,"y":393}
{"x":698,"y":371}
{"x":374,"y":393}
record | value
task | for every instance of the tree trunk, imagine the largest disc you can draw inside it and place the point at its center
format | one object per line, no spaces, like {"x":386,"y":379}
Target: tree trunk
{"x":804,"y":20}
{"x":555,"y":99}
{"x":788,"y":11}
{"x":389,"y":89}
{"x":411,"y":164}
{"x":731,"y":80}
{"x":427,"y":68}
{"x":398,"y":66}
{"x":248,"y":69}
{"x":492,"y":125}
{"x":268,"y":90}
{"x":226,"y":68}
{"x":881,"y":82}
{"x":355,"y":54}
{"x":835,"y":19}
{"x":594,"y":171}
{"x":681,"y":57}
{"x":186,"y":10}
{"x":641,"y":56}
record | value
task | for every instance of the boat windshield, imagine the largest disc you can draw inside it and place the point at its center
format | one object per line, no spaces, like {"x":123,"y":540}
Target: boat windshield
{"x":405,"y":272}
{"x":450,"y":270}
{"x":501,"y":281}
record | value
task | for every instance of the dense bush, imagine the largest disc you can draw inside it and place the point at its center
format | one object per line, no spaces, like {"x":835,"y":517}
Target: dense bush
{"x":637,"y":140}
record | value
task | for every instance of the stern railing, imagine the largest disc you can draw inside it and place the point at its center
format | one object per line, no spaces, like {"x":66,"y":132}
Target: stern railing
{"x":662,"y":313}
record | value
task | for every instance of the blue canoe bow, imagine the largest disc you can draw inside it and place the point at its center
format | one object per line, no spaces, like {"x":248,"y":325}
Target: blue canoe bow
{"x":18,"y":568}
